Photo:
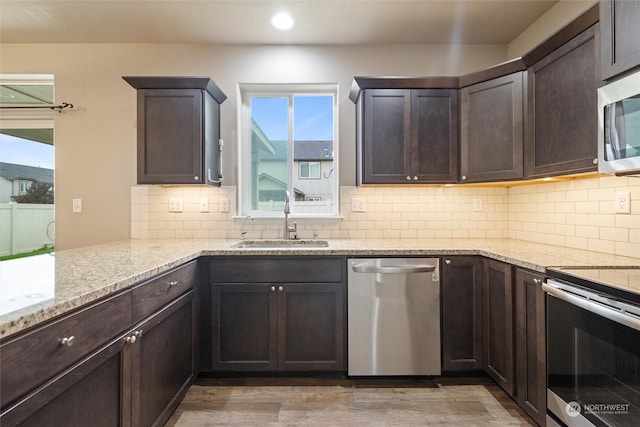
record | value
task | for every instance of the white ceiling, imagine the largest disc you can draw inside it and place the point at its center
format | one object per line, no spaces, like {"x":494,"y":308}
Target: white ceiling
{"x":247,"y":21}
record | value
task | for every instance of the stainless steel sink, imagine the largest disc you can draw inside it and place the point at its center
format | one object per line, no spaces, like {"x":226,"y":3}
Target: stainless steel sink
{"x":276,"y":244}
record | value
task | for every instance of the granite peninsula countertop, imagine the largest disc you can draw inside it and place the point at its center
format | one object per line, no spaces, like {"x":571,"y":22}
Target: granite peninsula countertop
{"x":56,"y":284}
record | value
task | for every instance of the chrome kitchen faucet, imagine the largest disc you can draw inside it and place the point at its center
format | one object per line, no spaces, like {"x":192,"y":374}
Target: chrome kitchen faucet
{"x":286,"y":233}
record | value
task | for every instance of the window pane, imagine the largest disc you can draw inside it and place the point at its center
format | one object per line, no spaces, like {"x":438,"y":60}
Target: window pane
{"x":269,"y":152}
{"x":27,"y":190}
{"x":313,"y":148}
{"x":289,"y":147}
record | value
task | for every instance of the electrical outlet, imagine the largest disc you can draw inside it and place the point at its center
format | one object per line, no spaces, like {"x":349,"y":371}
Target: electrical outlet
{"x":175,"y":204}
{"x":224,"y":205}
{"x":477,"y":205}
{"x":358,"y":204}
{"x":204,"y":204}
{"x":623,"y":202}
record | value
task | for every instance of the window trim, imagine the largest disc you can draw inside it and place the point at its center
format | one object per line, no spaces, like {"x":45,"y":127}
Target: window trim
{"x":245,"y":91}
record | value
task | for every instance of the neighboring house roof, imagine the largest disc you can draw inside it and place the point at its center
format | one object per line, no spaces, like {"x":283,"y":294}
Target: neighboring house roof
{"x":313,"y":150}
{"x":12,"y":172}
{"x":302,"y":150}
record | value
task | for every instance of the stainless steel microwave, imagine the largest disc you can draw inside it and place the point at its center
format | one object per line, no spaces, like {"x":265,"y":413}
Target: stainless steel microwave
{"x":619,"y":126}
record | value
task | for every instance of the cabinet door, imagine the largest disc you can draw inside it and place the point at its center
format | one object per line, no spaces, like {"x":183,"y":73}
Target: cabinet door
{"x":244,"y":327}
{"x":620,"y":26}
{"x":562,"y":109}
{"x":434,"y":135}
{"x":310,"y":326}
{"x":386,"y":131}
{"x":94,"y":392}
{"x":491,"y":134}
{"x":462,"y":313}
{"x":162,"y":358}
{"x":498,"y":324}
{"x":531,"y":371}
{"x":170,"y":135}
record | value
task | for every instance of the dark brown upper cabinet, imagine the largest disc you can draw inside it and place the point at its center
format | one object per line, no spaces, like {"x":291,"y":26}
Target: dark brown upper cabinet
{"x":620,"y":36}
{"x":407,"y":130}
{"x":178,"y":130}
{"x":562,"y":82}
{"x":492,"y":124}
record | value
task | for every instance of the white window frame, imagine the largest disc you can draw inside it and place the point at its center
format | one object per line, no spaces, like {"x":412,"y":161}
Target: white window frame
{"x":23,"y":186}
{"x":245,"y":91}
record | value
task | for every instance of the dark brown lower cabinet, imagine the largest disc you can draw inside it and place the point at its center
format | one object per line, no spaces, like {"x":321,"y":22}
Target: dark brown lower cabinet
{"x":244,"y":327}
{"x":310,"y":327}
{"x":136,"y":380}
{"x":94,"y":392}
{"x":531,"y":368}
{"x":461,"y":296}
{"x":498,"y":324}
{"x":163,"y":362}
{"x":277,"y":327}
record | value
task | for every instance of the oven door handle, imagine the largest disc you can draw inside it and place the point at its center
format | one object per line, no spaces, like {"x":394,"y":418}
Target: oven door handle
{"x":598,"y":308}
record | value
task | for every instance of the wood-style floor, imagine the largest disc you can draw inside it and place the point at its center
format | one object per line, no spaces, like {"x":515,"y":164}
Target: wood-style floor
{"x":345,"y":402}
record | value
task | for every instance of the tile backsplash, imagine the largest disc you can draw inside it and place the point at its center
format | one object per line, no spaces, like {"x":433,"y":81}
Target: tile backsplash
{"x":577,"y":213}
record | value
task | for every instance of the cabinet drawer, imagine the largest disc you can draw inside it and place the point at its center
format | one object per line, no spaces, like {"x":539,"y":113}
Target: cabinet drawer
{"x":159,"y":291}
{"x":31,"y":359}
{"x":277,"y":269}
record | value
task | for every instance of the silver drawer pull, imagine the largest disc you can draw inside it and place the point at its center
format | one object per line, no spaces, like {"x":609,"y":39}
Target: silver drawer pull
{"x":131,"y":339}
{"x":138,"y":333}
{"x":173,"y":283}
{"x":68,"y":341}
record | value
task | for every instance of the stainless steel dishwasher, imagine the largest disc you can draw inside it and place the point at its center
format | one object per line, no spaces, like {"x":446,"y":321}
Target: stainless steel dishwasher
{"x":393,"y":316}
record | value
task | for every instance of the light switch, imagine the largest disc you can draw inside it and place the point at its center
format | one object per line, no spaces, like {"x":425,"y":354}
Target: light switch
{"x":204,"y":204}
{"x":77,"y":205}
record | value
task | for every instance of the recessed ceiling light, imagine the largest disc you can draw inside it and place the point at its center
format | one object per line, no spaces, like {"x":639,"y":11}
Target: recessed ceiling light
{"x":282,"y":21}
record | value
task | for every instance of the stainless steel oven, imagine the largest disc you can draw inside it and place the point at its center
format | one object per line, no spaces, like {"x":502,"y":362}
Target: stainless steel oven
{"x":593,"y":347}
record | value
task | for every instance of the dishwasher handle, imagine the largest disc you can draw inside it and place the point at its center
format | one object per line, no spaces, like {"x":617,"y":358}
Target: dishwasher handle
{"x":396,"y":269}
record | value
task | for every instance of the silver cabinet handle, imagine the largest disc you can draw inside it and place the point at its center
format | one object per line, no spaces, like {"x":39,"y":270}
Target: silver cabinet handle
{"x":398,"y":269}
{"x":138,"y":333}
{"x":68,"y":341}
{"x":537,"y":281}
{"x":273,"y":288}
{"x":447,"y":261}
{"x":220,"y":177}
{"x":280,"y":288}
{"x":131,"y":339}
{"x":408,"y":178}
{"x":415,"y":178}
{"x":196,"y":178}
{"x":173,"y":283}
{"x":464,"y":177}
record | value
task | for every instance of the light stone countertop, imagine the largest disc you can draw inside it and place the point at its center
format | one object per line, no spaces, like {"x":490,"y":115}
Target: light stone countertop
{"x":84,"y":275}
